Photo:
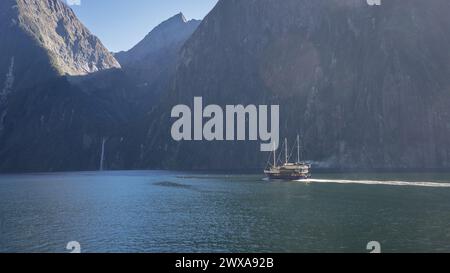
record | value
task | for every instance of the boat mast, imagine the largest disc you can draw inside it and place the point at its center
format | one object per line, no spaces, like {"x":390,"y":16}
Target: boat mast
{"x":274,"y":155}
{"x":298,"y":149}
{"x":286,"y":149}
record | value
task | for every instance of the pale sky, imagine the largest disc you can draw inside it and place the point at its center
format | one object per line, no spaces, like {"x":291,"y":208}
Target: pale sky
{"x":120,"y":24}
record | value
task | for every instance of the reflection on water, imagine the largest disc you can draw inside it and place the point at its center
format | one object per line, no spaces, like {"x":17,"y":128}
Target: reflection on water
{"x":172,"y":184}
{"x":182,"y":212}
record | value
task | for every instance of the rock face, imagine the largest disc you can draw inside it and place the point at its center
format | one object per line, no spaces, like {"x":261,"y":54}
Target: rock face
{"x":91,"y":117}
{"x":43,"y":38}
{"x":152,"y":62}
{"x":47,"y":123}
{"x":365,"y":86}
{"x":57,"y":126}
{"x":170,"y":34}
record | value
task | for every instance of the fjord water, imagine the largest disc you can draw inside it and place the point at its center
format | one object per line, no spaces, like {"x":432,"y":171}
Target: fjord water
{"x":155,"y":211}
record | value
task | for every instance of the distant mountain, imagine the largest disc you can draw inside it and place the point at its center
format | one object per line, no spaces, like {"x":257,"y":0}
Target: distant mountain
{"x":168,"y":35}
{"x":153,"y":60}
{"x":365,"y":86}
{"x":43,"y":38}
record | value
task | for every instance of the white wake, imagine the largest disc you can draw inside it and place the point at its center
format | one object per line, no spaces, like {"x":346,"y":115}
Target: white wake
{"x":377,"y":182}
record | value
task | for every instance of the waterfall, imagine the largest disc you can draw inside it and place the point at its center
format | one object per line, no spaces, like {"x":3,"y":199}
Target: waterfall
{"x":102,"y":156}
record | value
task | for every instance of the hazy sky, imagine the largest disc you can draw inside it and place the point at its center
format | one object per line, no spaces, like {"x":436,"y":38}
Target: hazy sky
{"x":121,"y":24}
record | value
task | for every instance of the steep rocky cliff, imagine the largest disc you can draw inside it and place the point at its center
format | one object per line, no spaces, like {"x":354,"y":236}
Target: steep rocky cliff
{"x":47,"y":123}
{"x":365,"y":86}
{"x":41,"y":38}
{"x":64,"y":99}
{"x":152,"y":62}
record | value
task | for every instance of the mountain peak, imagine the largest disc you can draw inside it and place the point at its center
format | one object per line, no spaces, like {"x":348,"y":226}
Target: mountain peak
{"x":54,"y":28}
{"x":179,"y":17}
{"x":169,"y":34}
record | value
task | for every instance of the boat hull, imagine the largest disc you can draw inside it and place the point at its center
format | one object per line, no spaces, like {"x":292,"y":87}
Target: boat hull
{"x":288,"y":177}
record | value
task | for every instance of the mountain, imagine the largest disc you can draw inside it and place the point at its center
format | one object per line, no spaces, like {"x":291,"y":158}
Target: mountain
{"x":43,"y":38}
{"x":153,"y":60}
{"x":76,"y":103}
{"x":46,"y":121}
{"x":57,"y":126}
{"x":168,"y":35}
{"x":366,"y":86}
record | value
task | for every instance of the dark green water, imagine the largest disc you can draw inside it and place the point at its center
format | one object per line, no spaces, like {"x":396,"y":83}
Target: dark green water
{"x":180,"y":212}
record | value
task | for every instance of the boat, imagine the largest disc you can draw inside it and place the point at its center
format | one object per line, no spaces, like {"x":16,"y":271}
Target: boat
{"x":288,"y":171}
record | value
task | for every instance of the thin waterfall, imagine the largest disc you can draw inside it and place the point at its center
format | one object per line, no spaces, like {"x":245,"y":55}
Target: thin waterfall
{"x":102,"y":156}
